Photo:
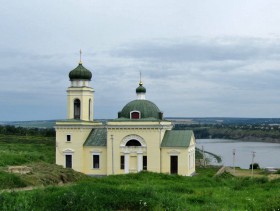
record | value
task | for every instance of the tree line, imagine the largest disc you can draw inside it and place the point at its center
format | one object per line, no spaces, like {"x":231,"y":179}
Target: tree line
{"x":256,"y":133}
{"x":23,"y":131}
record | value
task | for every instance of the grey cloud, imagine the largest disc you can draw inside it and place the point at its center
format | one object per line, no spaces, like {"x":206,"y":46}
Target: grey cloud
{"x":231,"y":63}
{"x":201,"y":86}
{"x":224,"y":77}
{"x":9,"y":53}
{"x":195,"y":50}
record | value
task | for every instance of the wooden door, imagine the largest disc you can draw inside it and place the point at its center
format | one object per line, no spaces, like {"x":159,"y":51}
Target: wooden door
{"x":68,"y":163}
{"x":133,"y":164}
{"x":174,"y":164}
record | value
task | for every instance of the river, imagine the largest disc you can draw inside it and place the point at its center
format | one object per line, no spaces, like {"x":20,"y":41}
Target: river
{"x":266,"y":154}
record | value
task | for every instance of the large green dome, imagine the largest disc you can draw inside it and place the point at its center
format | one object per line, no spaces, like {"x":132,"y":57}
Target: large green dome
{"x":146,"y":108}
{"x":80,"y":73}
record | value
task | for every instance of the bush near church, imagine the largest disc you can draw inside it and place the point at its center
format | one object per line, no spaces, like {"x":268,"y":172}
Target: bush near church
{"x":255,"y":166}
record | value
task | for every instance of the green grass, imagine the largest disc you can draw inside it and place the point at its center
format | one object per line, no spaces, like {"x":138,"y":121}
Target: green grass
{"x":152,"y":191}
{"x":35,"y":152}
{"x":143,"y":191}
{"x":50,"y":174}
{"x":8,"y":181}
{"x":18,"y":150}
{"x":42,"y":174}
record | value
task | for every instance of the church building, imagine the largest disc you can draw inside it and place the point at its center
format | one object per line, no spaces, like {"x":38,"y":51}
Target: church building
{"x":140,"y":139}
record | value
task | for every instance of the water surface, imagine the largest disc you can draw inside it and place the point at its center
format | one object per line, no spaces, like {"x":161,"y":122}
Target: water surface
{"x":266,"y":154}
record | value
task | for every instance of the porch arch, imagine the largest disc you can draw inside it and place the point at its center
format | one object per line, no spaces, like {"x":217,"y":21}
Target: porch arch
{"x":133,"y":137}
{"x":133,"y":147}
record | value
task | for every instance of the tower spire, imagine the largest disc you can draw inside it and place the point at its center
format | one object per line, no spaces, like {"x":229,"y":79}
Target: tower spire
{"x":140,"y":83}
{"x":80,"y":57}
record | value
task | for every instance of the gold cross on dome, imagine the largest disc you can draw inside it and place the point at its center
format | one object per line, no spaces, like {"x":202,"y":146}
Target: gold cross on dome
{"x":80,"y":56}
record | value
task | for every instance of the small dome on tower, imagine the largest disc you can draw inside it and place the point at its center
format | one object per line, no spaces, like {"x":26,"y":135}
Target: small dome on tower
{"x":140,"y":88}
{"x":80,"y":73}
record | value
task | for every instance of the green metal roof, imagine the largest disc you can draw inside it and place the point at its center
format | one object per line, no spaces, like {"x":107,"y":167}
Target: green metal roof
{"x":80,"y":72}
{"x":76,"y":120}
{"x":72,"y":120}
{"x":97,"y":137}
{"x":149,"y":119}
{"x":147,"y":109}
{"x":177,"y":138}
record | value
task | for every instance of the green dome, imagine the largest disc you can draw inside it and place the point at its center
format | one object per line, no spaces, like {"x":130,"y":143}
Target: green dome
{"x":80,"y":73}
{"x":146,"y":108}
{"x":141,"y":88}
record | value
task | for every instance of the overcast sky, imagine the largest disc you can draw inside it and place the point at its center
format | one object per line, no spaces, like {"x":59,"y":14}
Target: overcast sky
{"x":198,"y":58}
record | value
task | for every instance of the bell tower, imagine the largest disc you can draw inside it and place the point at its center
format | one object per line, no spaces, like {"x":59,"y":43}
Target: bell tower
{"x":80,"y":96}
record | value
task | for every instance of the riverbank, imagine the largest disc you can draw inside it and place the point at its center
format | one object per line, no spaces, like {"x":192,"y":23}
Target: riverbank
{"x":256,"y":133}
{"x":208,"y":156}
{"x":260,"y":139}
{"x":257,"y":173}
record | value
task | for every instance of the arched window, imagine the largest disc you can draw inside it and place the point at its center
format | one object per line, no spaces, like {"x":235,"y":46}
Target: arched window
{"x":135,"y":115}
{"x":89,"y":109}
{"x":133,"y":143}
{"x":77,"y":109}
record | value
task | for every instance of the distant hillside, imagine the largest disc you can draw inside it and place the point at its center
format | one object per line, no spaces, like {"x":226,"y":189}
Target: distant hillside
{"x":176,"y":120}
{"x":225,"y":120}
{"x":33,"y":124}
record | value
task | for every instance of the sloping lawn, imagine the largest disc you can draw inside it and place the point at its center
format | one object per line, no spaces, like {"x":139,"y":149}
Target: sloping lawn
{"x":152,"y":191}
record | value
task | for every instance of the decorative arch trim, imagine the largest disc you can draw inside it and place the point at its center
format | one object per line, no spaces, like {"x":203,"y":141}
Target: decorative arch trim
{"x":135,"y":114}
{"x":68,"y":151}
{"x":173,"y":152}
{"x":133,"y":137}
{"x":96,"y":152}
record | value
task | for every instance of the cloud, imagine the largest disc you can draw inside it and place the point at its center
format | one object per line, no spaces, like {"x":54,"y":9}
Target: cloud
{"x":185,"y":73}
{"x":201,"y":49}
{"x":192,"y":77}
{"x":220,"y":74}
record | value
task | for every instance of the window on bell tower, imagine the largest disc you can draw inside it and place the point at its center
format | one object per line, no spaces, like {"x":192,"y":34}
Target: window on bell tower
{"x":77,"y":109}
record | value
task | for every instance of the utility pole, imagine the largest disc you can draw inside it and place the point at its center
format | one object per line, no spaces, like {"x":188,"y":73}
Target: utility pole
{"x":204,"y":164}
{"x":233,"y":160}
{"x":253,"y":156}
{"x":112,"y":138}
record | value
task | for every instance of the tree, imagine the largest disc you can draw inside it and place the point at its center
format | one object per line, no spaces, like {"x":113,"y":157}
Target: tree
{"x":255,"y":166}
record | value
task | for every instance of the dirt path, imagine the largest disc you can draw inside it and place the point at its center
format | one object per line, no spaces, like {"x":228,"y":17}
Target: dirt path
{"x":22,"y":189}
{"x":248,"y":173}
{"x":28,"y":188}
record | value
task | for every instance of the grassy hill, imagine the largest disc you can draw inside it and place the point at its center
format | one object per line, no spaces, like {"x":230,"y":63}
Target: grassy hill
{"x":152,"y":191}
{"x":143,"y":191}
{"x":37,"y":153}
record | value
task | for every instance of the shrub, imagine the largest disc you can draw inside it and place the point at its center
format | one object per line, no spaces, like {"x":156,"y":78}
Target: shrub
{"x":277,"y":172}
{"x":255,"y":166}
{"x":8,"y":180}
